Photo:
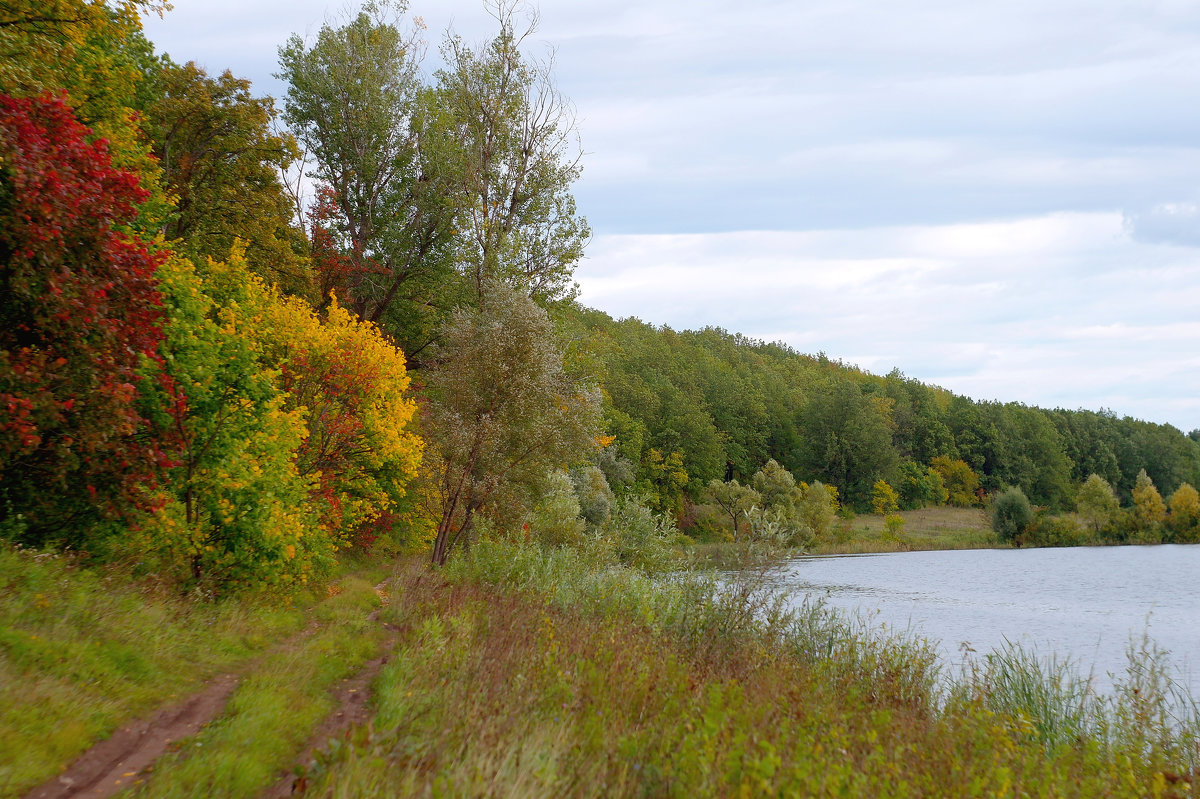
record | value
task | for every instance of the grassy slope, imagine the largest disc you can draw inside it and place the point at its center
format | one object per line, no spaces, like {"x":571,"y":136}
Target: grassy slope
{"x":591,"y":687}
{"x":82,"y":652}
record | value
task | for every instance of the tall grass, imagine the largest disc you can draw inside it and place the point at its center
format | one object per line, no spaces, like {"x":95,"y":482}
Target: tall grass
{"x":529,"y":672}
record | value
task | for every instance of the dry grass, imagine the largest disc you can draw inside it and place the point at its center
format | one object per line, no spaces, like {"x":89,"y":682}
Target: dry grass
{"x":924,"y":529}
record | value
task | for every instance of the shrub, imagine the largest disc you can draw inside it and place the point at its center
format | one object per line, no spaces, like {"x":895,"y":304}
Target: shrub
{"x":1011,"y":514}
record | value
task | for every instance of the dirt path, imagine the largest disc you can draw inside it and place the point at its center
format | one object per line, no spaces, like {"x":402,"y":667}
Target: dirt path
{"x":351,"y":709}
{"x":115,"y":764}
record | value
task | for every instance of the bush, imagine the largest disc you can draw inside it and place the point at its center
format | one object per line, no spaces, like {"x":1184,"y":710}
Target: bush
{"x":1011,"y":514}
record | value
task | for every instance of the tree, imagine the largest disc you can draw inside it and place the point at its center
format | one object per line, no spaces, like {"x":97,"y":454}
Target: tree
{"x":960,"y":480}
{"x":1097,"y":503}
{"x":502,"y":411}
{"x":848,"y":440}
{"x":221,"y":162}
{"x":80,"y":328}
{"x":1011,"y":514}
{"x":238,"y":513}
{"x":509,"y":138}
{"x":355,"y":102}
{"x":884,"y":499}
{"x":1149,"y":511}
{"x":920,"y":486}
{"x":359,"y":453}
{"x":1185,"y":514}
{"x":735,"y":499}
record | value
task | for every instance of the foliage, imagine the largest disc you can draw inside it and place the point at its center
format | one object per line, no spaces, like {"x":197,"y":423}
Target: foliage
{"x":221,"y":163}
{"x":960,"y":481}
{"x":1148,"y":511}
{"x":502,"y":411}
{"x":848,"y":439}
{"x":1050,"y":530}
{"x":93,"y":51}
{"x":735,"y":500}
{"x":1096,"y":503}
{"x":507,"y":137}
{"x":385,"y":213}
{"x":80,"y":316}
{"x":1184,"y":521}
{"x":1011,"y":514}
{"x":555,"y":520}
{"x":639,"y":537}
{"x":595,"y":496}
{"x":884,"y":499}
{"x":921,"y":487}
{"x":237,"y":513}
{"x":359,"y":453}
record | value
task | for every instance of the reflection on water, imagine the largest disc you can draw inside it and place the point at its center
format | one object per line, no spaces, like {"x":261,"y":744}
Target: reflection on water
{"x":1084,"y":603}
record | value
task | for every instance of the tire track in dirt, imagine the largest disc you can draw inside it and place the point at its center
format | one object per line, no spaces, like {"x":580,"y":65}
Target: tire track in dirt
{"x":114,"y":764}
{"x":351,"y":709}
{"x":117,"y":763}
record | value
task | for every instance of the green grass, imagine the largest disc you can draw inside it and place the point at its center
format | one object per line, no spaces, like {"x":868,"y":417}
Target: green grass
{"x":277,"y":707}
{"x":924,"y":529}
{"x":83,"y":650}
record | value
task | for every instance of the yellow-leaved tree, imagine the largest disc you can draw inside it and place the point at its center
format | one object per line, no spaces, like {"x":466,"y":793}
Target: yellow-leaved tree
{"x":293,"y":431}
{"x":359,"y":454}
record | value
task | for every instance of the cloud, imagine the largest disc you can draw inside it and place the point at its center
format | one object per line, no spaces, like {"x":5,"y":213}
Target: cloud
{"x":1041,"y":310}
{"x":997,"y":196}
{"x":1166,"y":223}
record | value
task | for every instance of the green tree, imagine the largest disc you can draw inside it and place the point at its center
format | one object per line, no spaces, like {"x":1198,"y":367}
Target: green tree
{"x":355,"y":103}
{"x":848,"y":439}
{"x":508,"y":140}
{"x":735,"y":500}
{"x":1011,"y":514}
{"x":502,"y":411}
{"x":816,"y":509}
{"x":238,"y":511}
{"x":1096,"y":503}
{"x":221,"y":162}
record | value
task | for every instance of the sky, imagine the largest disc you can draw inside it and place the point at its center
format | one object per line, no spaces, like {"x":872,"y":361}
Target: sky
{"x":998,"y":197}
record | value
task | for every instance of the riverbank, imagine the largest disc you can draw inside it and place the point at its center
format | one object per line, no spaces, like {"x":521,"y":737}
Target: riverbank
{"x":523,"y":671}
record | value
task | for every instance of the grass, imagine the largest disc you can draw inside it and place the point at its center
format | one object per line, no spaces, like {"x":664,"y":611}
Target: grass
{"x":924,"y":529}
{"x":277,"y":707}
{"x":522,"y":671}
{"x":84,"y":650}
{"x":529,"y":673}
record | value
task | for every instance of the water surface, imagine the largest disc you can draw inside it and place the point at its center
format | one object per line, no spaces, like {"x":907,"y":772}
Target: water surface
{"x":1081,"y":602}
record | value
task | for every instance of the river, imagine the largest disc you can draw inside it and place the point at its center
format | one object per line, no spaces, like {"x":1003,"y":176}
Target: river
{"x":1082,"y":603}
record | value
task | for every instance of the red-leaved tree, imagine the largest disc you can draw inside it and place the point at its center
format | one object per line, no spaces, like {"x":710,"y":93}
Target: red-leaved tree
{"x":80,"y":320}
